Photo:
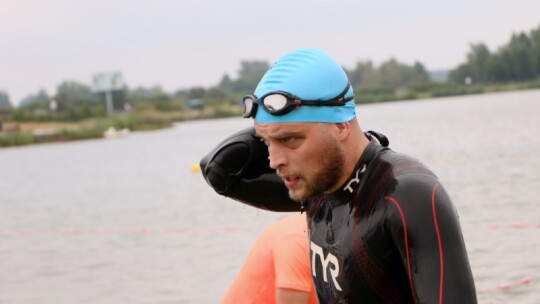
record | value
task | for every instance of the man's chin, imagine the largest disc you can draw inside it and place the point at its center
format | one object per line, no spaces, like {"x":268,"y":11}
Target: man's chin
{"x":300,"y":195}
{"x":297,"y":196}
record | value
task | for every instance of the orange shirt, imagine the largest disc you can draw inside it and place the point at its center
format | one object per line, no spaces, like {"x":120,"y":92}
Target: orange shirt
{"x":279,"y":258}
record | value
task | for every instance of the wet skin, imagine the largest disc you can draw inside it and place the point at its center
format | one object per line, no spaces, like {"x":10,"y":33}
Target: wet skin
{"x":305,"y":155}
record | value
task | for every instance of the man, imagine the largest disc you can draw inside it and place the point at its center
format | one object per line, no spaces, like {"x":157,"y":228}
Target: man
{"x":276,"y":269}
{"x":382,"y":228}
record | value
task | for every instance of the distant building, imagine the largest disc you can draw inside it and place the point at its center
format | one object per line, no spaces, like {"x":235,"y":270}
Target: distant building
{"x":108,"y":83}
{"x":194,"y":108}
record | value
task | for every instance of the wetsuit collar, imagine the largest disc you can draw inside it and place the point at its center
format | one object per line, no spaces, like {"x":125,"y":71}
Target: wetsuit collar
{"x":346,"y":191}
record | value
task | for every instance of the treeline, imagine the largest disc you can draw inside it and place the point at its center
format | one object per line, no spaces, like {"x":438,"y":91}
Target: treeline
{"x":365,"y":77}
{"x":4,"y":100}
{"x":517,"y":61}
{"x":75,"y":101}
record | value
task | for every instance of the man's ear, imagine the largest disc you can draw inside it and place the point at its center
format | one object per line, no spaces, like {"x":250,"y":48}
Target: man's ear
{"x":343,"y":130}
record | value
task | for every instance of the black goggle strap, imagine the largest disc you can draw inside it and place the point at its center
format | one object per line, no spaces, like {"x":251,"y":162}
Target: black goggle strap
{"x":339,"y":100}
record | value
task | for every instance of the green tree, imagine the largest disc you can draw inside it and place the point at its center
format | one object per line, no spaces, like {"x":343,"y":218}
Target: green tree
{"x":196,"y":93}
{"x":459,"y":74}
{"x":535,"y":50}
{"x":419,"y":74}
{"x":363,"y":75}
{"x":4,"y":101}
{"x":518,"y":60}
{"x":479,"y":66}
{"x":152,"y":98}
{"x":519,"y":55}
{"x":248,"y":77}
{"x":75,"y":101}
{"x":38,"y":101}
{"x":390,"y":74}
{"x":71,"y":94}
{"x":215,"y":96}
{"x":480,"y":58}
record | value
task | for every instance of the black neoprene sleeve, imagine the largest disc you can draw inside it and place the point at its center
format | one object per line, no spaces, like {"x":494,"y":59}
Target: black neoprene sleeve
{"x":238,"y":168}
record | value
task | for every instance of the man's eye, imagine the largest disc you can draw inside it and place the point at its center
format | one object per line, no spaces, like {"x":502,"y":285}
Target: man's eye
{"x":288,"y":139}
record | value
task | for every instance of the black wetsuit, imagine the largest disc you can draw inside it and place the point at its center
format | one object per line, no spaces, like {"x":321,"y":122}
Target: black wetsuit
{"x":390,"y":234}
{"x":394,"y":234}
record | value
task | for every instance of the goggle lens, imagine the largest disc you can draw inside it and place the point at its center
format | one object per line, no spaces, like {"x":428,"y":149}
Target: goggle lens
{"x":248,"y":106}
{"x":275,"y":102}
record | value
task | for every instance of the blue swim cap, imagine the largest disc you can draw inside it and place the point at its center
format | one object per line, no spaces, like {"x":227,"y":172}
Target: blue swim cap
{"x":309,"y":74}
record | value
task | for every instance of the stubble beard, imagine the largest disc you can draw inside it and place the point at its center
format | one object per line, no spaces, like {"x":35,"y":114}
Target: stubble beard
{"x":331,"y":164}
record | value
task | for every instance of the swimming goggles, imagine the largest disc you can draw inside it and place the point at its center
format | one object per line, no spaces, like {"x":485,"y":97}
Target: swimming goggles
{"x":280,"y":103}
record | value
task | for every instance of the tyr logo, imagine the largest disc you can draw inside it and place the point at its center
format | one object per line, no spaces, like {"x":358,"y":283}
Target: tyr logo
{"x":355,"y":180}
{"x":330,"y":258}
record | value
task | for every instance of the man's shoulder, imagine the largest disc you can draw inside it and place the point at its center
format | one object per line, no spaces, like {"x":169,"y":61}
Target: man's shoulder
{"x":406,"y":176}
{"x":391,"y":171}
{"x":399,"y":164}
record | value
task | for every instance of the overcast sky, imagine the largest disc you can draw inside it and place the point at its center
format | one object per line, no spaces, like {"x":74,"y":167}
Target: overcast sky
{"x":186,"y":43}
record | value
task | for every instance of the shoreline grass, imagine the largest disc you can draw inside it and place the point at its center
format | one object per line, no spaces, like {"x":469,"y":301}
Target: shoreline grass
{"x":33,"y":132}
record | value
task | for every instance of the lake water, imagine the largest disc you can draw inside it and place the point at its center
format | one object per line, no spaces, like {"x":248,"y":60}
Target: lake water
{"x":127,"y":221}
